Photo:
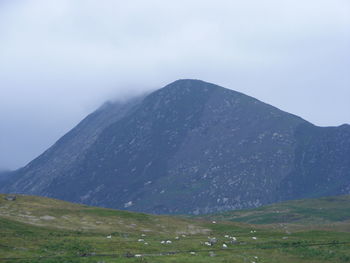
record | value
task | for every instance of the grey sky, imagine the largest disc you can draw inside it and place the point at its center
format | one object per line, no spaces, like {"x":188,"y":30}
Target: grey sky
{"x":60,"y":59}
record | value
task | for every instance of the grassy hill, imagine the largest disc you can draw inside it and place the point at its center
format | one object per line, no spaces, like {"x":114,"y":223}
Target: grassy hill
{"x":326,"y":211}
{"x":36,"y":229}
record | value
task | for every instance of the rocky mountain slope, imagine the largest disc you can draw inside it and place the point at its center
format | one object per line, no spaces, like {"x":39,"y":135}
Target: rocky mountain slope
{"x":190,"y":147}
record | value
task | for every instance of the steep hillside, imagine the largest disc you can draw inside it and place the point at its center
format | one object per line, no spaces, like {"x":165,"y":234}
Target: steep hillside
{"x":69,"y":151}
{"x":191,"y":147}
{"x":36,"y":229}
{"x":321,"y":165}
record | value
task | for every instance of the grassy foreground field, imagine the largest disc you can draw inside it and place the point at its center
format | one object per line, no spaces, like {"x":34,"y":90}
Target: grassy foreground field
{"x":36,"y":229}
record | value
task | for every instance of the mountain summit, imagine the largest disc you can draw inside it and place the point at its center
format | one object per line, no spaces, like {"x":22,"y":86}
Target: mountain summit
{"x":191,"y":147}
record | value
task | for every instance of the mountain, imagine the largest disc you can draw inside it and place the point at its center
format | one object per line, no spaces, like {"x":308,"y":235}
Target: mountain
{"x":190,"y":148}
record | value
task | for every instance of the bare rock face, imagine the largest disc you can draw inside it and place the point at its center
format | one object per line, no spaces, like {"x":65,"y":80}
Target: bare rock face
{"x":191,"y":147}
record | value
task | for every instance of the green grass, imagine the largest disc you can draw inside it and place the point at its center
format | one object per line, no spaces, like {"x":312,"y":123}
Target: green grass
{"x":35,"y":229}
{"x":121,"y":214}
{"x":323,"y":211}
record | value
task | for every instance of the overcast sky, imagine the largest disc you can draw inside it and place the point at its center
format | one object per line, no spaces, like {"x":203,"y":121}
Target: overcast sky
{"x":60,"y":59}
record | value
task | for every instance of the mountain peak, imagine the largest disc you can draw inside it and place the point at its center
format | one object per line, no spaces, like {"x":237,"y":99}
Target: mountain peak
{"x":188,"y":85}
{"x":188,"y":82}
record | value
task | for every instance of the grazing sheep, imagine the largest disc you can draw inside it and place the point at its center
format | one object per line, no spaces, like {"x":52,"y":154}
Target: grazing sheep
{"x":168,"y":242}
{"x":109,"y":236}
{"x":255,"y":238}
{"x":141,"y":240}
{"x":224,"y":246}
